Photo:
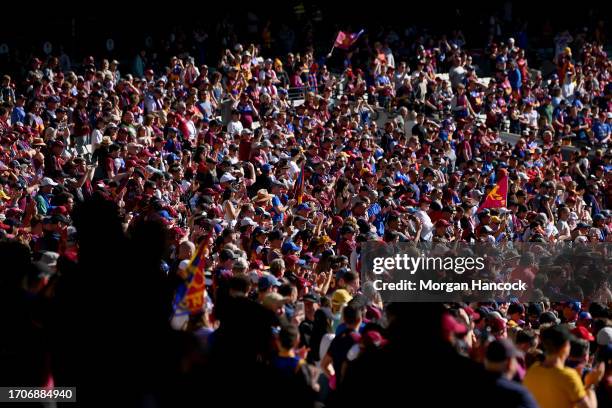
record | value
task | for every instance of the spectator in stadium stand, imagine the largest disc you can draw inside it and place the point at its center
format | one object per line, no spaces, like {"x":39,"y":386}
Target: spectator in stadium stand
{"x":198,"y":222}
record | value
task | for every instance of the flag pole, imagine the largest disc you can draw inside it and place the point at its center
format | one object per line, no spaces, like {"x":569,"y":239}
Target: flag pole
{"x":331,"y":51}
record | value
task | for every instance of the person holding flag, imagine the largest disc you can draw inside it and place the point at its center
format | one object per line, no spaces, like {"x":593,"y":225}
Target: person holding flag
{"x":190,"y":295}
{"x":298,"y":189}
{"x":498,"y":196}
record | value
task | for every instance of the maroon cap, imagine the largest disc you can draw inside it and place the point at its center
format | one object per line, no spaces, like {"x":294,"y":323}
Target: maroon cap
{"x":59,"y":210}
{"x":471,"y":313}
{"x":409,"y":200}
{"x":425,"y":200}
{"x":291,"y":260}
{"x":497,"y":325}
{"x":442,"y":223}
{"x":450,"y":325}
{"x":373,"y":338}
{"x":210,"y":191}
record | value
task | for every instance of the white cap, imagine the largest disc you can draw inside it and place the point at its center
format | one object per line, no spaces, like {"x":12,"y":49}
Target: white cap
{"x":604,"y":337}
{"x":247,"y":221}
{"x":47,"y":182}
{"x":226,"y":178}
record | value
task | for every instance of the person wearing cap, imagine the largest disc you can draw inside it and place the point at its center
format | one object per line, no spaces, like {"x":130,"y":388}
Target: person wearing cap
{"x":44,"y":196}
{"x":604,"y":336}
{"x":266,"y":285}
{"x":553,"y":384}
{"x":441,"y":231}
{"x":312,"y":302}
{"x":579,"y":350}
{"x":581,"y":231}
{"x":501,"y":360}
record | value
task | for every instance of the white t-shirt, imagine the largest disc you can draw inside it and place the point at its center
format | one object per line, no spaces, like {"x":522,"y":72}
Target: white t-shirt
{"x":532,"y":118}
{"x":324,"y":345}
{"x":234,"y":128}
{"x":294,"y":170}
{"x":96,"y":138}
{"x":427,"y":232}
{"x":563,"y":227}
{"x":408,"y":125}
{"x":456,"y":75}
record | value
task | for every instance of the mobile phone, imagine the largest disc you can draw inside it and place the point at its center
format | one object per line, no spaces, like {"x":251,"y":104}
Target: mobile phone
{"x":299,"y":307}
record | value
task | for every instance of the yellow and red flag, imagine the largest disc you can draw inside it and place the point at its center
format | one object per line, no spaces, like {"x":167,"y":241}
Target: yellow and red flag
{"x":190,"y":297}
{"x":498,"y":196}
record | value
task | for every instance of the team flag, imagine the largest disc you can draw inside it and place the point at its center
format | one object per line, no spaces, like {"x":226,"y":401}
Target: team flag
{"x":298,"y":190}
{"x":498,"y":197}
{"x":190,"y":297}
{"x":345,"y":40}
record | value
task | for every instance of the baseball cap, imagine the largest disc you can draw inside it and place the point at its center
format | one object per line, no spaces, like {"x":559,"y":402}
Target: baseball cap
{"x":267,"y":281}
{"x":549,"y":317}
{"x":575,"y":306}
{"x":501,"y":350}
{"x":341,"y":297}
{"x":291,"y":260}
{"x":604,"y":336}
{"x":303,"y":206}
{"x":47,"y":181}
{"x":248,"y":221}
{"x":582,"y":332}
{"x":312,"y":297}
{"x":290,"y":246}
{"x":310,"y":258}
{"x":227,"y":178}
{"x":442,"y":223}
{"x":534,"y":309}
{"x":450,"y":325}
{"x":516,"y":308}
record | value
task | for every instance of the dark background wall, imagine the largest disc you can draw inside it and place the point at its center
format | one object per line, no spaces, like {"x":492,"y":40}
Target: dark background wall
{"x":25,"y":31}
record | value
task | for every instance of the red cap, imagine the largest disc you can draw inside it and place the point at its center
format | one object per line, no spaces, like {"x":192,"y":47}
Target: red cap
{"x":425,"y":200}
{"x":497,"y":325}
{"x":472,"y":313}
{"x":373,"y":338}
{"x":291,"y":260}
{"x":210,"y":191}
{"x":179,"y":232}
{"x":450,"y":325}
{"x":442,"y":223}
{"x":583,"y":333}
{"x":60,"y":210}
{"x":410,"y":202}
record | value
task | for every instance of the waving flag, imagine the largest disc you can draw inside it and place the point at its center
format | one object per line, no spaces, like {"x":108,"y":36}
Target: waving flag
{"x":497,"y":198}
{"x":345,"y":40}
{"x":190,"y":296}
{"x":298,"y":190}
